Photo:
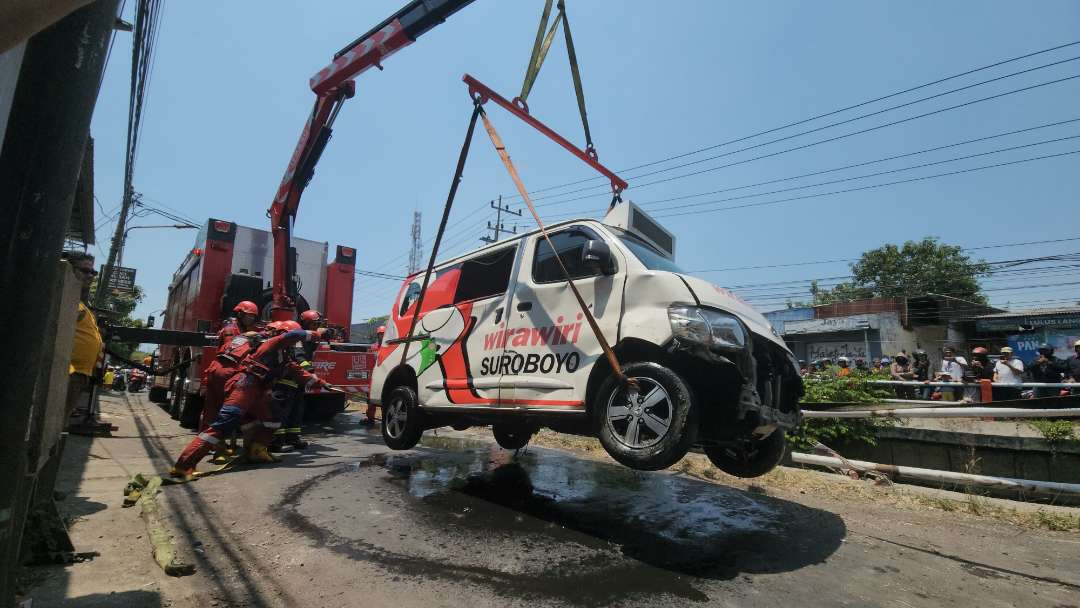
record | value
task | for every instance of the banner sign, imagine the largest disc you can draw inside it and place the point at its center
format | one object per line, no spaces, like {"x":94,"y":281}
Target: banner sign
{"x":122,"y":279}
{"x":832,"y":350}
{"x":820,"y":326}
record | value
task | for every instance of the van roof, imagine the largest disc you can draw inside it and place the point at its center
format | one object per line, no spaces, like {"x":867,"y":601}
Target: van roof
{"x":497,"y":244}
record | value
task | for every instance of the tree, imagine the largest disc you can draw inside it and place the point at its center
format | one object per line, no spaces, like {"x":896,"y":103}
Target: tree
{"x":118,"y":309}
{"x":918,"y":268}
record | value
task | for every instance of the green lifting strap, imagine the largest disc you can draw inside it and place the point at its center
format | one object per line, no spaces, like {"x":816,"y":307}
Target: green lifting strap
{"x":540,"y":49}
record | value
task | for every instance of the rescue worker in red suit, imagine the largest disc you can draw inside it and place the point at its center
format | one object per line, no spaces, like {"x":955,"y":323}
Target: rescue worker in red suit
{"x":246,"y":405}
{"x":236,"y":339}
{"x":287,"y":397}
{"x":369,"y":415}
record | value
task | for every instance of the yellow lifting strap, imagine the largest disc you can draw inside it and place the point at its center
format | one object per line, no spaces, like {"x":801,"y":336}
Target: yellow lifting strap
{"x":540,"y":49}
{"x":505,"y":156}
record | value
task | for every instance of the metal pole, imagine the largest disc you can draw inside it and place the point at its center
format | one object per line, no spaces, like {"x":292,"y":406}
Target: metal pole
{"x":986,"y":481}
{"x":62,"y":64}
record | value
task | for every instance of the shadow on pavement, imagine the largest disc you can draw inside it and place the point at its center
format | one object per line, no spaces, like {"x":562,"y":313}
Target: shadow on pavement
{"x":127,"y":599}
{"x":547,"y":524}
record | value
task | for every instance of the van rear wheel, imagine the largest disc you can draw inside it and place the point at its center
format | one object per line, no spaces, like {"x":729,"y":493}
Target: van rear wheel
{"x":401,"y":423}
{"x":511,"y":437}
{"x":649,"y":427}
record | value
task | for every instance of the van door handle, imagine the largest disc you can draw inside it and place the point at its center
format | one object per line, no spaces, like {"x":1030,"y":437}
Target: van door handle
{"x":523,"y":306}
{"x":498,"y":315}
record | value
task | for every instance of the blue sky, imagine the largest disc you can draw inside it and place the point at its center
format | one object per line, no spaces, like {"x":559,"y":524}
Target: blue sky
{"x":229,"y":95}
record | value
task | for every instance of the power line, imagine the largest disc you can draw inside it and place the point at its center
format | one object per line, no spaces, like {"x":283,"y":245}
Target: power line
{"x":389,"y":262}
{"x":977,"y":248}
{"x":822,"y":141}
{"x":819,"y":116}
{"x":855,"y":165}
{"x":873,"y":186}
{"x":853,"y":178}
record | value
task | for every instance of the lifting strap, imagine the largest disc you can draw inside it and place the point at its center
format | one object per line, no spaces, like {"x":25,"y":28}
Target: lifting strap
{"x":464,"y":154}
{"x":505,"y":156}
{"x":540,"y":49}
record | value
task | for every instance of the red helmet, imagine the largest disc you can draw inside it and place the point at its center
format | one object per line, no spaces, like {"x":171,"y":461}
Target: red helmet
{"x":247,"y":307}
{"x":288,"y":325}
{"x":380,"y":330}
{"x":978,"y":350}
{"x":311,"y":315}
{"x":274,"y":326}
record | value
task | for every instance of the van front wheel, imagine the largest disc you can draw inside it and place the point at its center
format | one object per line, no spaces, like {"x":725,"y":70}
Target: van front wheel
{"x":650,"y":426}
{"x":753,"y":458}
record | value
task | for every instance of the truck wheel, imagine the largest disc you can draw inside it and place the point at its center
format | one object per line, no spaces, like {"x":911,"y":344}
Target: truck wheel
{"x":189,"y":416}
{"x":401,"y":423}
{"x":323,"y":407}
{"x":177,"y":401}
{"x":511,"y":436}
{"x":753,"y":459}
{"x":648,"y":428}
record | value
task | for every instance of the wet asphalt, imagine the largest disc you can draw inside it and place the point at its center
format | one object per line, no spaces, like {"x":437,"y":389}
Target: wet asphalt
{"x":545,"y":527}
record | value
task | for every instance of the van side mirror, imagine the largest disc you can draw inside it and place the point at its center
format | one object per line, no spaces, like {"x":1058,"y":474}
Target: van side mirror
{"x":597,"y":256}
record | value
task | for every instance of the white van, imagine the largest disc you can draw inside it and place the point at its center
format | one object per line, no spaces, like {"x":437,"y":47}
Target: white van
{"x":501,"y":341}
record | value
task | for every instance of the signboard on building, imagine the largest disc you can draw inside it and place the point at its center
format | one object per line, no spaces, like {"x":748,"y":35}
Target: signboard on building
{"x":821,"y":326}
{"x":122,"y":279}
{"x":1058,"y":321}
{"x":832,"y":350}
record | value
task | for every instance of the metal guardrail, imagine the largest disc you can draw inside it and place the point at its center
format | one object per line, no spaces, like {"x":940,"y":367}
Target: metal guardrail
{"x":946,"y":412}
{"x":925,"y":383}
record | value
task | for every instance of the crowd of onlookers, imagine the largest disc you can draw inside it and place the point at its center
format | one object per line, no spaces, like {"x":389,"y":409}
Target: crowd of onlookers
{"x":1006,"y":371}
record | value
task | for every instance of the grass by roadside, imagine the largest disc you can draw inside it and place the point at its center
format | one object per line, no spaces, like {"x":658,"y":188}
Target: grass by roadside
{"x":783,"y":480}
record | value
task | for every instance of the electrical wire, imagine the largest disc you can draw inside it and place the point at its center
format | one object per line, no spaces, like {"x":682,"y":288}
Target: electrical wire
{"x":812,"y":118}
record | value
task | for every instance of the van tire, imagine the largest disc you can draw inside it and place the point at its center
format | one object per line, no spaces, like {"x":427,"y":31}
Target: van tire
{"x":401,"y":423}
{"x":510,"y":436}
{"x":644,"y":448}
{"x":755,"y":460}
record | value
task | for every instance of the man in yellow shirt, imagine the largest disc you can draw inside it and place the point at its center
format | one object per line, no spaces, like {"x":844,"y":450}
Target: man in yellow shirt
{"x":87,"y":347}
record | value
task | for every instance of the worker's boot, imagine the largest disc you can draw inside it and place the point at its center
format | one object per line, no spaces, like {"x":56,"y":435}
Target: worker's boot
{"x":222,"y":455}
{"x":192,"y":454}
{"x":294,"y":440}
{"x":258,"y":454}
{"x":183,"y":474}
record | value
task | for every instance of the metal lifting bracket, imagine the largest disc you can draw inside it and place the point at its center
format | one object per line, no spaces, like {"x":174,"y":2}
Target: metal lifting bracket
{"x":481,"y":93}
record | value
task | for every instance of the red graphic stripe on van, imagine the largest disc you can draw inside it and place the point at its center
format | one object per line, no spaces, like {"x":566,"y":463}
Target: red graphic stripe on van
{"x":550,"y":402}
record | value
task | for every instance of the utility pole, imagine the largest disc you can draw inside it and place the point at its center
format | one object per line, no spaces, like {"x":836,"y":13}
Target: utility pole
{"x":497,"y":228}
{"x":416,"y":252}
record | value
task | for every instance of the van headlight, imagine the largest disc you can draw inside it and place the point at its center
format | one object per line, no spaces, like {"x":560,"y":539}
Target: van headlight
{"x":705,"y":326}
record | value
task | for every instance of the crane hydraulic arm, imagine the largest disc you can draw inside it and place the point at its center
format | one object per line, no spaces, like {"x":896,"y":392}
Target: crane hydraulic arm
{"x":332,"y":86}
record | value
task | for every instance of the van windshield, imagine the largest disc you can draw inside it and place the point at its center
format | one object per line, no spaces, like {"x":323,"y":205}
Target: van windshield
{"x":646,"y":253}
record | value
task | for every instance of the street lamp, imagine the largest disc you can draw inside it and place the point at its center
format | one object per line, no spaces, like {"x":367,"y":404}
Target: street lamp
{"x":120,"y":254}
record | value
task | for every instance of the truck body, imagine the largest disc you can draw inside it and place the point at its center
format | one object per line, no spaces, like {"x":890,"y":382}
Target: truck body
{"x":229,"y":263}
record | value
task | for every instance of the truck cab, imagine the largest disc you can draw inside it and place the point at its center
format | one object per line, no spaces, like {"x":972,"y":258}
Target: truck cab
{"x":502,"y":341}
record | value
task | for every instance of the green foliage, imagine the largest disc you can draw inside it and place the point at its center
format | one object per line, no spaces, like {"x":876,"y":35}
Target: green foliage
{"x":917,"y":268}
{"x":117,"y":310}
{"x":1055,"y":431}
{"x":828,"y":388}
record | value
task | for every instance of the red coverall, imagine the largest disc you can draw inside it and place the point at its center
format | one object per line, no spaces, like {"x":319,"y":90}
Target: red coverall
{"x":232,"y":348}
{"x":246,"y":404}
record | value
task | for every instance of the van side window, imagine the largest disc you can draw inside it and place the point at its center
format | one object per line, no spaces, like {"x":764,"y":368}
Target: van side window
{"x":485,"y":276}
{"x":411,"y":294}
{"x":570,"y":244}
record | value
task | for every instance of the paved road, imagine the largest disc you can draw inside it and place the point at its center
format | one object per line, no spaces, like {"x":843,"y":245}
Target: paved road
{"x":463,"y":523}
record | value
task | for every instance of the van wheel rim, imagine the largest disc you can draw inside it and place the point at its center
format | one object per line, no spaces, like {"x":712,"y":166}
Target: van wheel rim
{"x":396,"y":415}
{"x":640,"y":418}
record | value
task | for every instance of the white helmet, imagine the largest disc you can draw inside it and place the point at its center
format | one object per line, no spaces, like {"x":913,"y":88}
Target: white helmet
{"x":842,"y":359}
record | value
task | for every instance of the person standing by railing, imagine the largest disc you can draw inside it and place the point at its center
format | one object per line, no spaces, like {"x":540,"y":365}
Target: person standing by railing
{"x":1008,"y":370}
{"x":952,"y":366}
{"x":1046,"y":368}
